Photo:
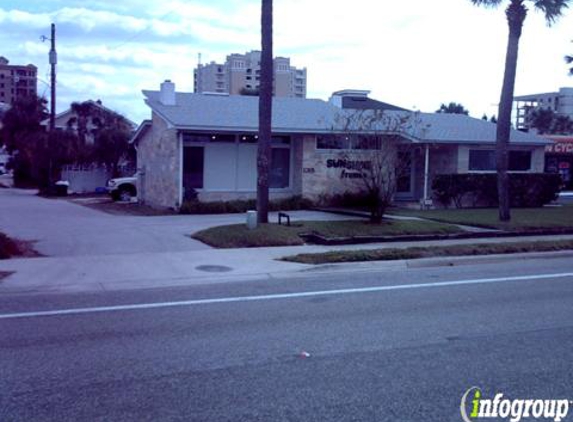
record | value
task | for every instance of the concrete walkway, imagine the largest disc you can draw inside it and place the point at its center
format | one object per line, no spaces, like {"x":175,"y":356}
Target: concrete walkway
{"x":149,"y":270}
{"x":61,"y":228}
{"x":94,"y":251}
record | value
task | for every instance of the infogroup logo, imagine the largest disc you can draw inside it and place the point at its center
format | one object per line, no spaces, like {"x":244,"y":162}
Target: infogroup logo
{"x":474,"y":406}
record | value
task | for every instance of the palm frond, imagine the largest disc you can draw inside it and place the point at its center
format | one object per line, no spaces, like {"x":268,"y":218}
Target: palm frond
{"x":487,"y":3}
{"x":552,"y":9}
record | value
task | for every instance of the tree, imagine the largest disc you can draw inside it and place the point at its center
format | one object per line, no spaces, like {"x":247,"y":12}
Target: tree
{"x":376,"y":156}
{"x":265,"y":111}
{"x":103,"y":134}
{"x":546,"y":121}
{"x":25,"y":138}
{"x":516,"y":13}
{"x":452,"y":108}
{"x":541,"y":119}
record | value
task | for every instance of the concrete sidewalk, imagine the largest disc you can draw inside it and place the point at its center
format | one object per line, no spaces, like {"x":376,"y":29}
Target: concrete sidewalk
{"x":184,"y":268}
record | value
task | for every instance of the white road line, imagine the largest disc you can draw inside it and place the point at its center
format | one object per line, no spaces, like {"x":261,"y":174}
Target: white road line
{"x":77,"y":311}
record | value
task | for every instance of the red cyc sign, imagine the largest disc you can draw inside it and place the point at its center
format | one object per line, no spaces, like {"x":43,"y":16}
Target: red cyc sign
{"x":560,"y":147}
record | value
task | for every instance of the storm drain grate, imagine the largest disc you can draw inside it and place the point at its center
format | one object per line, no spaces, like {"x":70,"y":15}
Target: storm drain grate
{"x":213,"y":268}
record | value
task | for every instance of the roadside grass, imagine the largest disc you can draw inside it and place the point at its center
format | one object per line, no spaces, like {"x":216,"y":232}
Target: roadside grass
{"x":429,"y":252}
{"x":522,"y":219}
{"x":238,"y":236}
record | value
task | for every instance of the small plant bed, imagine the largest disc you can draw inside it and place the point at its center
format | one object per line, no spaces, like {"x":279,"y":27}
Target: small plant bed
{"x":522,"y":219}
{"x":11,"y":248}
{"x":122,"y":208}
{"x":238,"y":236}
{"x":429,"y":252}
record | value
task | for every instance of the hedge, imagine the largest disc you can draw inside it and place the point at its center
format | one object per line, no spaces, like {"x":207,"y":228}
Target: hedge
{"x":526,"y":190}
{"x":194,"y":206}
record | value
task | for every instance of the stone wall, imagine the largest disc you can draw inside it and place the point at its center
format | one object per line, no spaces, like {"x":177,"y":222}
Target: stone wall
{"x":158,"y":159}
{"x":329,"y":172}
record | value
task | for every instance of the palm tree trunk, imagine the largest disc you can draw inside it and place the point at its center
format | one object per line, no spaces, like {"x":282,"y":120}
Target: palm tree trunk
{"x":516,"y":13}
{"x":265,"y":112}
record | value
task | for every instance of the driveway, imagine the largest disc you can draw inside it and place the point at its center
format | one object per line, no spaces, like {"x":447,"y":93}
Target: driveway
{"x":62,"y":228}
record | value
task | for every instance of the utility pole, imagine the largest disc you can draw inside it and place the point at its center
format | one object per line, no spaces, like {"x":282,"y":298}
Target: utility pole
{"x":53,"y":62}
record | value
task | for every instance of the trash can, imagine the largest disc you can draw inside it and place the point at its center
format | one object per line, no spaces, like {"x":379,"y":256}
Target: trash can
{"x":61,"y":188}
{"x":251,"y":220}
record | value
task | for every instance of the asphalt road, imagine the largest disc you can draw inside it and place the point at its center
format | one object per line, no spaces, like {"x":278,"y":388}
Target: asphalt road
{"x":386,"y":346}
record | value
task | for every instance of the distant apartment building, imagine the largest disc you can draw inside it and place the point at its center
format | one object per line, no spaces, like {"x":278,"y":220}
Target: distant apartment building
{"x":240,"y":74}
{"x":560,"y":102}
{"x":16,"y":81}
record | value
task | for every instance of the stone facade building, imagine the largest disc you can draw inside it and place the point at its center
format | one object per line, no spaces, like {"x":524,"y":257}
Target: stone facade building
{"x":206,"y":145}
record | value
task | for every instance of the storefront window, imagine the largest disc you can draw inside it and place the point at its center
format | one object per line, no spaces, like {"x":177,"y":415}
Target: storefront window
{"x":207,"y":137}
{"x":280,"y":168}
{"x":332,"y":142}
{"x":484,"y":160}
{"x":193,"y":163}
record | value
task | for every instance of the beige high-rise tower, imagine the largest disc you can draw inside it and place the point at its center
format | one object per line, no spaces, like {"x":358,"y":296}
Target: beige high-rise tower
{"x":16,"y":81}
{"x":240,"y":74}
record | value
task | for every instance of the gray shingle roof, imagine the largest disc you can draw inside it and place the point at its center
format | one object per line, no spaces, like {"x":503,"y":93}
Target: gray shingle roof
{"x":301,"y":115}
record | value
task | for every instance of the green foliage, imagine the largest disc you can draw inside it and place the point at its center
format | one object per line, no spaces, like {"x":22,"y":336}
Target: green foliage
{"x":452,"y":108}
{"x":426,"y":252}
{"x":348,"y":199}
{"x":239,"y":236}
{"x":526,"y":189}
{"x":194,"y":206}
{"x":547,"y":121}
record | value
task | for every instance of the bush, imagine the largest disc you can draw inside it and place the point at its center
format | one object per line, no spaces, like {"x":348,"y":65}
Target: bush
{"x":349,"y":199}
{"x":526,"y":189}
{"x":194,"y":206}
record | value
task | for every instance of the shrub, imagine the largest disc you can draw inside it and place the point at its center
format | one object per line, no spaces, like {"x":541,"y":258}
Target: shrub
{"x":194,"y":206}
{"x":349,"y":199}
{"x":526,"y":189}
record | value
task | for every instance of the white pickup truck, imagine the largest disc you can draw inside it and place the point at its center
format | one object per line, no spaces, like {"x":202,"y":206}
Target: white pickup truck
{"x":122,"y":188}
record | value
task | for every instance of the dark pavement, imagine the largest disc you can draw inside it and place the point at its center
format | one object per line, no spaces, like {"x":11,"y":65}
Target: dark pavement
{"x":395,"y":355}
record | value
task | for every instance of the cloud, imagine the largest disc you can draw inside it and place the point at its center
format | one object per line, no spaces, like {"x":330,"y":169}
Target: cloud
{"x":415,"y":53}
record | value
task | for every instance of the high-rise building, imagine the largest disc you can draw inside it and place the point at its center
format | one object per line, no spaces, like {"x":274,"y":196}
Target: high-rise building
{"x":240,"y":74}
{"x":17,"y":81}
{"x":560,"y":102}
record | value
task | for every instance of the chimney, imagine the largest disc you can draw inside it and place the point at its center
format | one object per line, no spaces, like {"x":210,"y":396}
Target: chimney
{"x":338,"y":96}
{"x":167,"y":93}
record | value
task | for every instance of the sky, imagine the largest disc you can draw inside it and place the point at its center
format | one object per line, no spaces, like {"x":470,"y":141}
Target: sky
{"x":416,"y":54}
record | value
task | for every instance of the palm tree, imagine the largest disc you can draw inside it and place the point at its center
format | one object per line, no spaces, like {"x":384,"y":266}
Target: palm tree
{"x":569,"y":60}
{"x":265,"y":112}
{"x":516,"y":13}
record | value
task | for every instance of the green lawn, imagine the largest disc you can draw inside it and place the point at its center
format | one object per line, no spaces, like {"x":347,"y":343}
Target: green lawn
{"x":426,"y":252}
{"x":521,"y":218}
{"x":238,"y":236}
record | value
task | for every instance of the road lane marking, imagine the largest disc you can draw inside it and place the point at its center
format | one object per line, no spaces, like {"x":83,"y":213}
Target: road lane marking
{"x":76,"y":311}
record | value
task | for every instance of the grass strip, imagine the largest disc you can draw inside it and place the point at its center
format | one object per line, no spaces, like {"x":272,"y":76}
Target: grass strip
{"x":429,"y":252}
{"x":238,"y":236}
{"x":522,"y":219}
